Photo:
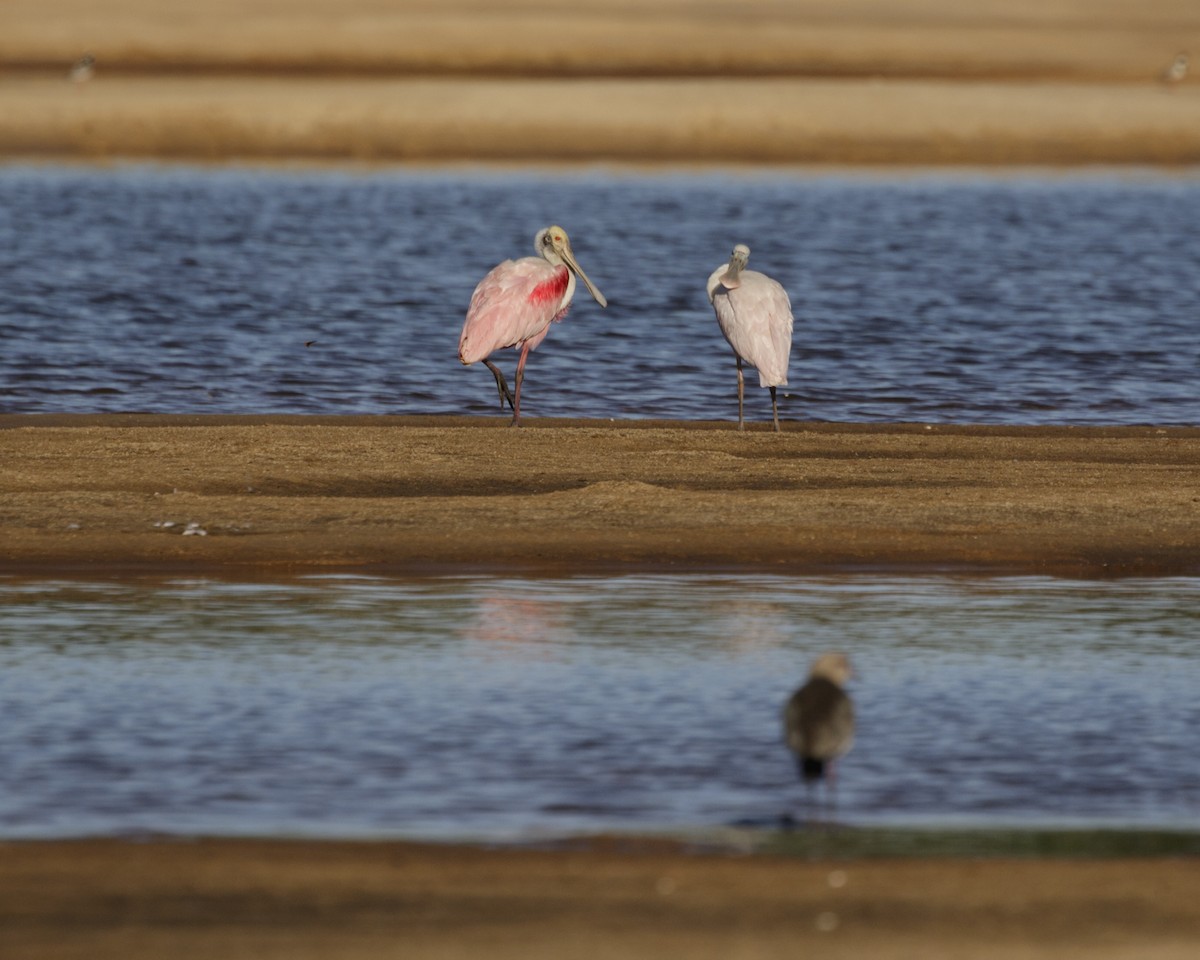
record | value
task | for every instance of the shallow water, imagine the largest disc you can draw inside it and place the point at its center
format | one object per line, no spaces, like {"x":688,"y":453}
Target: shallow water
{"x":499,"y":709}
{"x":933,"y":298}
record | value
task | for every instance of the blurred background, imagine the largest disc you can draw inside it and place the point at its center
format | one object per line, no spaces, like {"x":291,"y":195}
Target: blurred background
{"x":863,"y":81}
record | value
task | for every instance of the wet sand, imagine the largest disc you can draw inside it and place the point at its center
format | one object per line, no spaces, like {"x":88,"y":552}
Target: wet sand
{"x":412,"y":495}
{"x":263,"y":899}
{"x":1064,"y":82}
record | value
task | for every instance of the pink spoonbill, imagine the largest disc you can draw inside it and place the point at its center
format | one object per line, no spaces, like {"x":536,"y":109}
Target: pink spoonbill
{"x":756,"y":318}
{"x":514,"y":305}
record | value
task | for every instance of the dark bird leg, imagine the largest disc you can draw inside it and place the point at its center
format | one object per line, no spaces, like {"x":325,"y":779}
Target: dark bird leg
{"x":774,"y":410}
{"x":501,"y":384}
{"x":516,"y":420}
{"x":741,"y":392}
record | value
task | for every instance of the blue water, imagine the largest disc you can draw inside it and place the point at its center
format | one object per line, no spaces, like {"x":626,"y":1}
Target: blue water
{"x":507,"y":708}
{"x":926,"y":298}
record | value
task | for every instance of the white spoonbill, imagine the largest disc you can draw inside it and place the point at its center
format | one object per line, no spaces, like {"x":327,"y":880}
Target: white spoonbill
{"x":818,"y":721}
{"x":82,"y":69}
{"x":756,"y":317}
{"x":514,"y":305}
{"x":1177,"y":70}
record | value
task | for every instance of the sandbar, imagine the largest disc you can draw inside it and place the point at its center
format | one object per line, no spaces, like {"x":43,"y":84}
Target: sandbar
{"x":281,"y":495}
{"x":213,"y":898}
{"x":862,"y":82}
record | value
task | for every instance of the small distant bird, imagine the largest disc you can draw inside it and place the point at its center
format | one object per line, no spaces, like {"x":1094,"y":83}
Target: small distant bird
{"x":1177,"y":70}
{"x":818,"y":720}
{"x":514,"y":305}
{"x":755,"y":316}
{"x":83,"y":69}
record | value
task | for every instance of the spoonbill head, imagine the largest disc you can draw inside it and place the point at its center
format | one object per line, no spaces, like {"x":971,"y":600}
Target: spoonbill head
{"x":755,"y":316}
{"x":818,"y":719}
{"x":514,"y":305}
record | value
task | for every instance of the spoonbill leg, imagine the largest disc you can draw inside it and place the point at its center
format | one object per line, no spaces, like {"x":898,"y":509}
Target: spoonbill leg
{"x":516,"y":420}
{"x":501,"y":384}
{"x":741,"y":394}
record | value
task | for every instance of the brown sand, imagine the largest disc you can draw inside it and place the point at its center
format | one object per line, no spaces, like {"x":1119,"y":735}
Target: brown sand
{"x":222,"y":899}
{"x":412,"y":494}
{"x":858,"y":81}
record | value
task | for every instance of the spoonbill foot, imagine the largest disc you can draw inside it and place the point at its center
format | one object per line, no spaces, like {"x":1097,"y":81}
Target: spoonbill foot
{"x":501,"y":385}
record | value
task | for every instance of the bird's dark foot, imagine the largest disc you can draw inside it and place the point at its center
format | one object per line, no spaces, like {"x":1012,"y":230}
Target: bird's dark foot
{"x":501,"y":386}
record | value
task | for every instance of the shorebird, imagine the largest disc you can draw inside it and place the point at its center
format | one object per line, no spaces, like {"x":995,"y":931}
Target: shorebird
{"x":1177,"y":70}
{"x":818,"y":720}
{"x":83,"y":69}
{"x":514,"y":305}
{"x":755,"y":316}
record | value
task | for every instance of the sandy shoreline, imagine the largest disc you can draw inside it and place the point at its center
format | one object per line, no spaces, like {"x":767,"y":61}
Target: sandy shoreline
{"x":1068,"y":82}
{"x":751,"y":121}
{"x":412,"y":495}
{"x":223,"y":898}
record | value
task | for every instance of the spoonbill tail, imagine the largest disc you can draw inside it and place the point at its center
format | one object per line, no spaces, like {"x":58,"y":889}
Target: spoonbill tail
{"x":514,"y":305}
{"x":818,"y":721}
{"x":756,"y":318}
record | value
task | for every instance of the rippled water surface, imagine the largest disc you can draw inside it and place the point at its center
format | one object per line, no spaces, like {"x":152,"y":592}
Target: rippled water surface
{"x":469,"y":708}
{"x":929,"y":298}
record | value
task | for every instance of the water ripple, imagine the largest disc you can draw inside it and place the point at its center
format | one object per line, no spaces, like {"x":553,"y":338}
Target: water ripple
{"x":938,"y":299}
{"x":467,"y":707}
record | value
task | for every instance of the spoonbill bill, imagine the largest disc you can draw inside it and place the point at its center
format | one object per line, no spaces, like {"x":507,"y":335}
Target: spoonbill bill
{"x":818,"y":720}
{"x":514,"y":305}
{"x":756,"y":318}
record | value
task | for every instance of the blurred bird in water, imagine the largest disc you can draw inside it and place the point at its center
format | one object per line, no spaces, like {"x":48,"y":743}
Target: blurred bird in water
{"x":755,"y":316}
{"x":1177,"y":70}
{"x":514,"y":305}
{"x":818,"y":721}
{"x":83,"y":69}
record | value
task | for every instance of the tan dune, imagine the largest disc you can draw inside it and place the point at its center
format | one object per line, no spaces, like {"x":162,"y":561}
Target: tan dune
{"x":680,"y":81}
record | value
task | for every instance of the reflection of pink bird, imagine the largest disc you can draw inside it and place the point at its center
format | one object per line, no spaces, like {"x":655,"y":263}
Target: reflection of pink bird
{"x":514,"y":305}
{"x":756,"y":317}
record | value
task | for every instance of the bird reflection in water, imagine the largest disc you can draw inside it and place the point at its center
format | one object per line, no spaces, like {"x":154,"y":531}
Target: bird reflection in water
{"x":753,"y":626}
{"x":518,"y":627}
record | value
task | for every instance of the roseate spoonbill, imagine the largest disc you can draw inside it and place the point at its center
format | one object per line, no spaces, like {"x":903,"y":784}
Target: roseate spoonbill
{"x":514,"y":305}
{"x":818,"y":721}
{"x":1177,"y":70}
{"x":756,"y":318}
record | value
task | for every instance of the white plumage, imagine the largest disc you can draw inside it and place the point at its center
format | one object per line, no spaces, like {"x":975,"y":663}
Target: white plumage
{"x":1177,"y":70}
{"x":755,"y":315}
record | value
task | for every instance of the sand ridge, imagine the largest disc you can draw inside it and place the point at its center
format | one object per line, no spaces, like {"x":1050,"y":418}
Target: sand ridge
{"x":409,"y":494}
{"x":1063,"y":82}
{"x":600,"y":899}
